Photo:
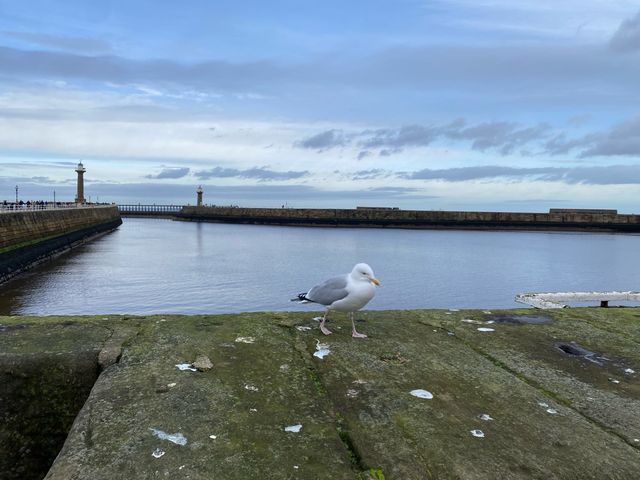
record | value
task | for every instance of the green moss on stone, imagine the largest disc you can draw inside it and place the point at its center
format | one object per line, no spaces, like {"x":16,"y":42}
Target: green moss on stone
{"x":357,"y":415}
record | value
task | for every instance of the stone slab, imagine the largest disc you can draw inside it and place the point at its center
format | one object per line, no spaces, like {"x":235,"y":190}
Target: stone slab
{"x":554,"y":413}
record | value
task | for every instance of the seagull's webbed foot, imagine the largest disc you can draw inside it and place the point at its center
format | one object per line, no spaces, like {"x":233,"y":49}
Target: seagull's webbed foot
{"x":324,"y":329}
{"x":354,"y":332}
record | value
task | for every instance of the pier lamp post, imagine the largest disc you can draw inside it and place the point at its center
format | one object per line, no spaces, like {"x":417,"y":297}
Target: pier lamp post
{"x":16,"y":193}
{"x":199,"y":192}
{"x":80,"y":195}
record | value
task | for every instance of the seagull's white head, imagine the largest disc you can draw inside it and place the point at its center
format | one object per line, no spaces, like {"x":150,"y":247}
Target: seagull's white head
{"x":363,"y":272}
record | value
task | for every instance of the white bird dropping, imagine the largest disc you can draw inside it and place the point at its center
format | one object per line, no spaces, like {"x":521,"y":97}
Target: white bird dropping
{"x":177,"y":438}
{"x":477,"y":433}
{"x":157,"y":453}
{"x":186,"y":366}
{"x":245,"y":340}
{"x":293,"y":428}
{"x":420,"y":393}
{"x":322,"y":350}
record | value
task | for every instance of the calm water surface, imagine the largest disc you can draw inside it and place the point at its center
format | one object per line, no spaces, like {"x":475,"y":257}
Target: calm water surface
{"x":163,"y":266}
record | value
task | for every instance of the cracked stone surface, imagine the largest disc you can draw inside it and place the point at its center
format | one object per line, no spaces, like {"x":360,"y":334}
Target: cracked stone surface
{"x":553,"y":415}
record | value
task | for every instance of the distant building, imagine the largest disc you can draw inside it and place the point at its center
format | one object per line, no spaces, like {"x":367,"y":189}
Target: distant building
{"x":593,"y":211}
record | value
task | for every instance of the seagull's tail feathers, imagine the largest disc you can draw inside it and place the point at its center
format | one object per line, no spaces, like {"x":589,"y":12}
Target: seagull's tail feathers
{"x":302,"y":298}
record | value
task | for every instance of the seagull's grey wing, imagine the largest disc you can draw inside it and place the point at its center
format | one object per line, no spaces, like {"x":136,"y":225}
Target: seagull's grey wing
{"x":329,"y":291}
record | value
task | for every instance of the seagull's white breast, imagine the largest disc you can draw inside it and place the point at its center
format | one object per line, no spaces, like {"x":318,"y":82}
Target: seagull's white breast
{"x":360,"y":293}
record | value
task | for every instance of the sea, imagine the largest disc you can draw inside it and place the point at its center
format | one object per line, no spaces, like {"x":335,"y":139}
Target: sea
{"x":154,"y":266}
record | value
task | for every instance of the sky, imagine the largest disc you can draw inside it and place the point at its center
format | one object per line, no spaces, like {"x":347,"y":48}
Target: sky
{"x":506,"y":105}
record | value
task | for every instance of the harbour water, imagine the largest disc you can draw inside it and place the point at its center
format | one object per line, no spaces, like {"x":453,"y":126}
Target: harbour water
{"x":163,"y":266}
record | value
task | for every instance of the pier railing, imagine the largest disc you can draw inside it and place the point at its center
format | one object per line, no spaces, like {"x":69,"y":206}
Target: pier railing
{"x":149,"y":209}
{"x":35,"y":206}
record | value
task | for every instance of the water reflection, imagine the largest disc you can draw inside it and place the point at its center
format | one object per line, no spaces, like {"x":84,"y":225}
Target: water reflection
{"x":153,"y":266}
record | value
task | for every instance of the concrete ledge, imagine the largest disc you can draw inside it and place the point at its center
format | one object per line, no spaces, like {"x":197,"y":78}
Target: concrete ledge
{"x":556,"y":299}
{"x":557,"y":409}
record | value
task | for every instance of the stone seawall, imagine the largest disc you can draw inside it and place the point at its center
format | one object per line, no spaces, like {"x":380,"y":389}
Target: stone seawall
{"x":423,"y":219}
{"x":32,"y":237}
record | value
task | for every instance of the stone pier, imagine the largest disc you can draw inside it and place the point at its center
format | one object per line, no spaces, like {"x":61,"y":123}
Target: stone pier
{"x":515,"y":394}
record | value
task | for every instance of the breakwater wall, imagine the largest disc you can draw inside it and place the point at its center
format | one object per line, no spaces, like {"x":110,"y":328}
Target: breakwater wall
{"x":29,"y":238}
{"x":572,"y":220}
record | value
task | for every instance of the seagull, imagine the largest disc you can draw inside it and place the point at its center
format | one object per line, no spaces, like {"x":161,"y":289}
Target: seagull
{"x":344,"y":293}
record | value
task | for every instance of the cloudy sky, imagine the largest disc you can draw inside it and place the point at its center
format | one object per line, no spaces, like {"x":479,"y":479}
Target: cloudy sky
{"x":515,"y":105}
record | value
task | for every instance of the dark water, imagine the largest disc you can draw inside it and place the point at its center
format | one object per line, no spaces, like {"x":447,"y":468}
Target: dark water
{"x":163,"y":266}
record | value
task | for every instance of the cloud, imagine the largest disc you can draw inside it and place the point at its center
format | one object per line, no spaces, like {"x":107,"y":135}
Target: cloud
{"x":40,"y":163}
{"x":73,"y":44}
{"x":112,"y":69}
{"x":405,"y":136}
{"x":579,"y":120}
{"x":607,"y":175}
{"x":462,"y":174}
{"x":386,"y":152}
{"x":170,"y":172}
{"x":610,"y":175}
{"x":525,"y":74}
{"x":401,"y":85}
{"x":323,"y":140}
{"x":501,"y":136}
{"x":393,"y":191}
{"x":35,"y":180}
{"x":246,"y":195}
{"x":622,"y":139}
{"x":521,"y":69}
{"x":42,"y":179}
{"x":560,"y":145}
{"x":371,"y":174}
{"x":37,"y":188}
{"x":627,"y":37}
{"x":262,"y":174}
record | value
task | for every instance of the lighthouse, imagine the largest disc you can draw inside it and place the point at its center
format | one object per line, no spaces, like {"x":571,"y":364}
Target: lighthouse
{"x":80,"y":171}
{"x":199,"y":192}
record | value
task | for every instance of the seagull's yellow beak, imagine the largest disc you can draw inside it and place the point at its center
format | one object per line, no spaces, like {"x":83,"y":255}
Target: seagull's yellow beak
{"x":375,"y":280}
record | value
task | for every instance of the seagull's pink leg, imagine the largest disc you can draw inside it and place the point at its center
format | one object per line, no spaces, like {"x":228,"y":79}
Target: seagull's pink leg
{"x":324,"y":329}
{"x":354,"y":332}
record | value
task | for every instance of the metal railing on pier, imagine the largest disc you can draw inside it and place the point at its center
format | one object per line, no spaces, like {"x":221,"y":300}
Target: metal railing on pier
{"x":35,"y":206}
{"x":149,"y":209}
